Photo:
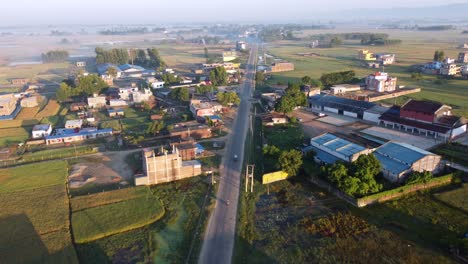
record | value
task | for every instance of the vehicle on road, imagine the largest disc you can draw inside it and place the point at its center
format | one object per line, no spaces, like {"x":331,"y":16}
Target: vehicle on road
{"x":322,"y":114}
{"x":235,"y":157}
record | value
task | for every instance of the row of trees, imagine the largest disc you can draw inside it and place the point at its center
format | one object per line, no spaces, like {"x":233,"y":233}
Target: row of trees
{"x":439,"y":55}
{"x":55,"y":56}
{"x":169,"y":78}
{"x":148,"y":58}
{"x":307,"y":80}
{"x":181,"y":94}
{"x":115,"y":56}
{"x":292,"y":98}
{"x":87,"y":85}
{"x":329,"y":79}
{"x":356,"y":178}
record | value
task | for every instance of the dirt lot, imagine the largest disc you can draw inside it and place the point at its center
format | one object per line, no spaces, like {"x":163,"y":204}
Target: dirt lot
{"x":102,"y":168}
{"x":337,"y":120}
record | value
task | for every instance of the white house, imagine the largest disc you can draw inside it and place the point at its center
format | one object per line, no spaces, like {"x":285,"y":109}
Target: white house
{"x":155,"y":83}
{"x":78,"y":123}
{"x":40,"y":131}
{"x":96,"y":101}
{"x":139,"y":97}
{"x":117,"y":102}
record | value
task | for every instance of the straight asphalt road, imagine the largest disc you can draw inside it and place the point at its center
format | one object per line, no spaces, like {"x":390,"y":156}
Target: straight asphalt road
{"x":220,"y":233}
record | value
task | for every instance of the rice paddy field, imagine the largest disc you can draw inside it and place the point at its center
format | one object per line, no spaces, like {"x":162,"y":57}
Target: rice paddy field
{"x":35,"y":214}
{"x":100,"y":215}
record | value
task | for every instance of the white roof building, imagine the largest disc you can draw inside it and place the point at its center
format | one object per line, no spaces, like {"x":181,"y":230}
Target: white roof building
{"x":40,"y":131}
{"x":78,"y":123}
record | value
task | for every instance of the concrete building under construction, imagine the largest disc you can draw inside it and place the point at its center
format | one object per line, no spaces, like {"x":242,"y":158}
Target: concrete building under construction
{"x":160,"y":166}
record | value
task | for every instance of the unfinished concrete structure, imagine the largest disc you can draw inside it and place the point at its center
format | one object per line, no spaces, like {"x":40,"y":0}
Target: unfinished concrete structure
{"x":163,"y":166}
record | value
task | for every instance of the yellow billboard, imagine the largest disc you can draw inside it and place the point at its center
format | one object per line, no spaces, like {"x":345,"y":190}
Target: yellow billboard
{"x":274,"y":177}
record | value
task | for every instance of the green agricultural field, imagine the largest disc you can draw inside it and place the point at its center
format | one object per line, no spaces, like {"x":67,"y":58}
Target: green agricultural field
{"x":33,"y":176}
{"x":14,"y":135}
{"x":456,"y":197}
{"x":421,"y":218}
{"x":30,"y":71}
{"x":17,"y":123}
{"x":415,"y":49}
{"x":101,"y":220}
{"x":35,"y":214}
{"x":50,"y":109}
{"x":165,"y":241}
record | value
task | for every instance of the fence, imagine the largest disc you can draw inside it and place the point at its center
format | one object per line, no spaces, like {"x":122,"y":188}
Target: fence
{"x":400,"y":191}
{"x":69,"y":153}
{"x":385,"y":195}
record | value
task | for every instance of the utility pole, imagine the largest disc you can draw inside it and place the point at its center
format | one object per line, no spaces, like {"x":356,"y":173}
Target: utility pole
{"x":249,"y":174}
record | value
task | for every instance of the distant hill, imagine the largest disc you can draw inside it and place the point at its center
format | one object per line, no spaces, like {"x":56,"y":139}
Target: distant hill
{"x":443,"y":12}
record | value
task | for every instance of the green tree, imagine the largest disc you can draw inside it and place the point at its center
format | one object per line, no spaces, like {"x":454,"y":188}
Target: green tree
{"x":418,"y":177}
{"x":285,"y":105}
{"x":329,"y":79}
{"x":207,"y":55}
{"x":91,"y":84}
{"x":316,"y":83}
{"x":218,"y":76}
{"x":228,"y":98}
{"x":181,"y":94}
{"x":306,"y":80}
{"x":169,"y":78}
{"x":64,"y":92}
{"x":293,"y":97}
{"x":155,"y":127}
{"x":336,"y":173}
{"x":271,"y":150}
{"x":290,"y":161}
{"x":259,"y":77}
{"x":336,"y":41}
{"x":55,"y":56}
{"x":112,"y":71}
{"x":439,"y":55}
{"x":366,"y":168}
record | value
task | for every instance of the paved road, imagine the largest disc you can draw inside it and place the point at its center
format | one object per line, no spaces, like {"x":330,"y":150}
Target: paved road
{"x":218,"y":243}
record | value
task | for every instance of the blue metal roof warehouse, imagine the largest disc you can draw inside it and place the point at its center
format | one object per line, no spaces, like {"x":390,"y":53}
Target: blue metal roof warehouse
{"x":399,"y":159}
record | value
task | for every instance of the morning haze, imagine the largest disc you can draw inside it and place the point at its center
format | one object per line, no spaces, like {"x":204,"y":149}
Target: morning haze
{"x":142,"y":11}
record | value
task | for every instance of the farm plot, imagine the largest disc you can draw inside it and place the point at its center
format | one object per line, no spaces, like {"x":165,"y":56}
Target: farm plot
{"x":91,"y":220}
{"x":34,"y":215}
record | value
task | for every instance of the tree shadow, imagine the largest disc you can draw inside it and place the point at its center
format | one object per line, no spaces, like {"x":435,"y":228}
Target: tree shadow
{"x":245,"y":252}
{"x":20,"y":243}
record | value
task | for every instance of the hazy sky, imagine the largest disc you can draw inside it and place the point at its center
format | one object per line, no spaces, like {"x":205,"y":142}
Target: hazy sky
{"x":168,"y":11}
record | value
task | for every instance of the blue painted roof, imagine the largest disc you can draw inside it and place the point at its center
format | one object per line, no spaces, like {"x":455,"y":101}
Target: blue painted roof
{"x":215,"y":117}
{"x":199,"y":147}
{"x":102,"y":68}
{"x":324,"y":156}
{"x":115,"y":110}
{"x":127,"y":66}
{"x":398,"y":157}
{"x":71,"y":133}
{"x":337,"y":144}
